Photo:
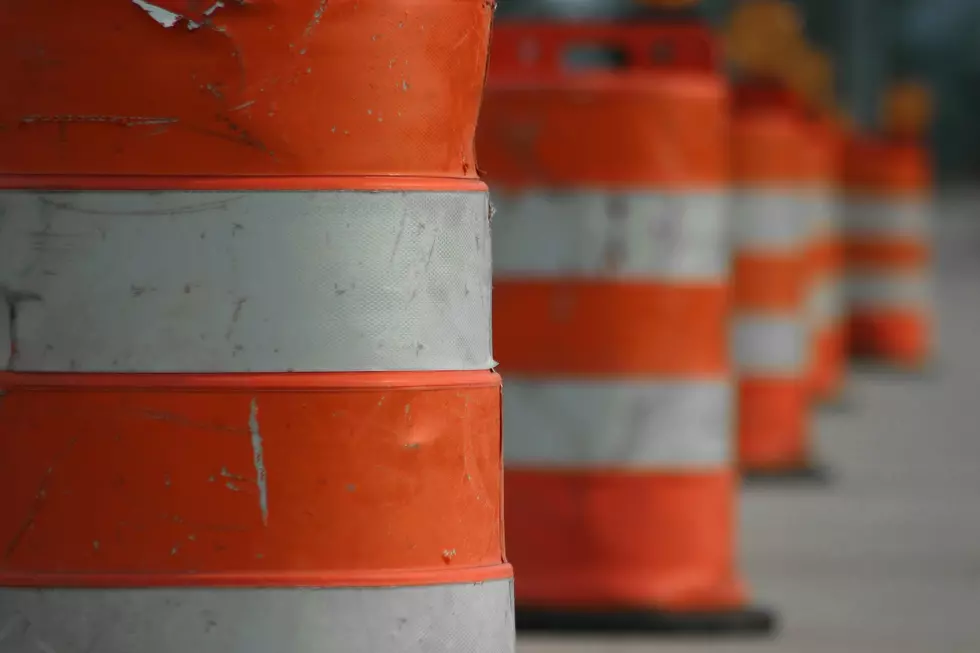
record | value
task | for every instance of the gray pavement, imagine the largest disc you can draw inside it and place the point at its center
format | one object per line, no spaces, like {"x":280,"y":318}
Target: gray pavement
{"x":887,"y":558}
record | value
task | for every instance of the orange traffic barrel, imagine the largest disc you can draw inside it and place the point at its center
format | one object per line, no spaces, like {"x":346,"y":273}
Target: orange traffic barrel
{"x":809,"y":75}
{"x":610,"y":316}
{"x":888,"y":250}
{"x":823,"y":202}
{"x":247,"y":400}
{"x":771,"y":238}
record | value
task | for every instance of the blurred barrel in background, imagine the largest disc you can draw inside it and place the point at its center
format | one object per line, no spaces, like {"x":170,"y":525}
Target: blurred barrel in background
{"x":610,"y":321}
{"x":771,"y":237}
{"x":773,"y":215}
{"x":808,"y":74}
{"x":888,"y":235}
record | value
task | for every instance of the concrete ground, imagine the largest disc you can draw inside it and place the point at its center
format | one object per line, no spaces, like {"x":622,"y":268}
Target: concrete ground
{"x":887,"y":558}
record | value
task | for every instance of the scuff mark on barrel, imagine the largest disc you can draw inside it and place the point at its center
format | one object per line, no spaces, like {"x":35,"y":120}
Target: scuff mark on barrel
{"x":13,"y":300}
{"x":243,"y":105}
{"x":122,"y":121}
{"x":163,"y":16}
{"x":235,"y":134}
{"x":317,"y":16}
{"x":168,"y":18}
{"x":40,"y":497}
{"x":258,"y":459}
{"x":18,"y":625}
{"x":220,"y":203}
{"x":617,"y":210}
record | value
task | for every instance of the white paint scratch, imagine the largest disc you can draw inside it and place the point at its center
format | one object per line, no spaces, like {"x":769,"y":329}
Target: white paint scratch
{"x":317,"y":15}
{"x":168,"y":18}
{"x":159,"y":14}
{"x":258,"y":459}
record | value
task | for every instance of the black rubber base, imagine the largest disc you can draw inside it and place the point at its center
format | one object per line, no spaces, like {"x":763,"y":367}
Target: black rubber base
{"x":751,"y":621}
{"x":807,"y":475}
{"x":869,"y":365}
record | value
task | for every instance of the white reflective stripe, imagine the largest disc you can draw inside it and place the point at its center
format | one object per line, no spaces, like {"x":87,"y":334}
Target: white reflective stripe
{"x":669,"y":236}
{"x":823,"y":206}
{"x":888,"y":290}
{"x":769,"y":220}
{"x":621,"y":424}
{"x":765,"y":344}
{"x":464,"y":618}
{"x":252,"y":281}
{"x":825,"y":302}
{"x":888,"y":218}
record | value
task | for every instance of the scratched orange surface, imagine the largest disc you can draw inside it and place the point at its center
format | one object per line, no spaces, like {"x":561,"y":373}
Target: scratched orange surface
{"x":315,"y":479}
{"x":289,"y":87}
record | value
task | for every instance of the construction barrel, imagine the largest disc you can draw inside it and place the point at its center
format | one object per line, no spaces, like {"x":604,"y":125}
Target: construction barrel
{"x":771,"y":236}
{"x":888,"y":251}
{"x":247,"y":401}
{"x":606,"y":149}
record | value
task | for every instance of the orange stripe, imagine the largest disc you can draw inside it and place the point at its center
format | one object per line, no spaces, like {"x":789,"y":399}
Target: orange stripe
{"x":773,"y":429}
{"x":823,"y":152}
{"x":770,"y":282}
{"x":607,"y":539}
{"x":882,"y":253}
{"x":152,"y":479}
{"x":278,"y":183}
{"x":304,"y":87}
{"x":827,"y":372}
{"x":595,"y":327}
{"x":826,"y":256}
{"x":882,"y":167}
{"x":623,"y":130}
{"x":768,"y":149}
{"x":900,"y":336}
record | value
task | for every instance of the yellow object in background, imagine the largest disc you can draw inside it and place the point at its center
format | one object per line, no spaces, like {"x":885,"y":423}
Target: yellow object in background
{"x":906,"y":109}
{"x":809,"y":73}
{"x":758,"y":34}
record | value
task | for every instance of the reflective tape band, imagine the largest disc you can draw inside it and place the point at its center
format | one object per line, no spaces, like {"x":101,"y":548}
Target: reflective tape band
{"x":825,"y":302}
{"x":823,"y":206}
{"x":768,"y":220}
{"x":888,"y":290}
{"x":618,"y":424}
{"x":766,"y":344}
{"x":246,"y":282}
{"x":650,"y":236}
{"x":463,"y":618}
{"x":888,"y":218}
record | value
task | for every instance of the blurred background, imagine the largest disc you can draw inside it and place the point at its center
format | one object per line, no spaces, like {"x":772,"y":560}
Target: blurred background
{"x":871,"y":42}
{"x":886,"y":556}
